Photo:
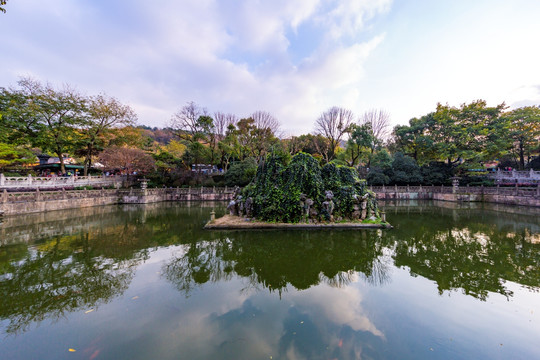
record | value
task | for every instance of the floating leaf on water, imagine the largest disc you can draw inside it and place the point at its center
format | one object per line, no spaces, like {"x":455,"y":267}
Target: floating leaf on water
{"x":134,"y":298}
{"x":71,"y":350}
{"x":88,"y":311}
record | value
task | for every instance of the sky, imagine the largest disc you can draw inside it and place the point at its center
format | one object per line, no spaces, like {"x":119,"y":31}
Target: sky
{"x":292,"y":58}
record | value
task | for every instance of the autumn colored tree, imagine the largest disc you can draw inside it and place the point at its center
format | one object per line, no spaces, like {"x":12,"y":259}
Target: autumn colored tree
{"x":126,"y":160}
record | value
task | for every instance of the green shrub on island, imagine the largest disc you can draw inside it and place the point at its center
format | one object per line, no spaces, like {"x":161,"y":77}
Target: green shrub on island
{"x":302,"y":191}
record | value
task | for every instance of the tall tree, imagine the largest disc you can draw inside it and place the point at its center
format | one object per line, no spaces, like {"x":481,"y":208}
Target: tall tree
{"x":360,"y":140}
{"x":222,"y":122}
{"x":333,"y":124}
{"x":104,"y":113}
{"x":379,"y":121}
{"x":415,"y":140}
{"x":186,"y":124}
{"x":524,"y":130}
{"x":266,"y":122}
{"x":54,"y":116}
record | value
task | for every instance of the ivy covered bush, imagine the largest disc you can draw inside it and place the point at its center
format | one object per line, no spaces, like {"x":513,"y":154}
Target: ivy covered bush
{"x":279,"y":191}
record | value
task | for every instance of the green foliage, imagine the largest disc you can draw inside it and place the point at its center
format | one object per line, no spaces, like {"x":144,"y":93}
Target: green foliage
{"x":241,"y":173}
{"x":11,"y":155}
{"x":377,"y":177}
{"x":278,"y":187}
{"x":436,"y":173}
{"x":405,"y":170}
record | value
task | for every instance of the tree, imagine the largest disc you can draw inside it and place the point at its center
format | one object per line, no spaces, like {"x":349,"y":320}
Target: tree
{"x":333,"y":124}
{"x":461,"y":133}
{"x":229,"y":147}
{"x":127,"y":160}
{"x":380,"y":124}
{"x":54,"y":116}
{"x":222,"y":122}
{"x":405,"y":170}
{"x":104,"y":112}
{"x":18,"y":125}
{"x":2,"y":2}
{"x":241,"y":173}
{"x":524,"y":131}
{"x":254,"y":140}
{"x":361,"y":138}
{"x":414,"y":140}
{"x":266,"y":122}
{"x":186,"y":123}
{"x":13,"y":155}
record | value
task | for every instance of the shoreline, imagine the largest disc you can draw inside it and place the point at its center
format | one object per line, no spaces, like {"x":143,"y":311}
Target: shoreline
{"x":230,"y":222}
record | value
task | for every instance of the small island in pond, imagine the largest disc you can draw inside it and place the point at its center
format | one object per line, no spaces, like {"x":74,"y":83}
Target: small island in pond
{"x":301,"y":194}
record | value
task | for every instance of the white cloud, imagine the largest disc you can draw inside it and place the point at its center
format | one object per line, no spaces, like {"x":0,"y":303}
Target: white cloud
{"x":291,"y":58}
{"x":225,"y":55}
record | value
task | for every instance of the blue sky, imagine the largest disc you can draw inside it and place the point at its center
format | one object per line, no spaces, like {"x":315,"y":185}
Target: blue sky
{"x":294,"y":59}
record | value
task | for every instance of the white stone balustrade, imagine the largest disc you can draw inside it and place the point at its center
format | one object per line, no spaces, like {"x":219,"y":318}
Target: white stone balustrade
{"x":58,"y":182}
{"x":516,"y":176}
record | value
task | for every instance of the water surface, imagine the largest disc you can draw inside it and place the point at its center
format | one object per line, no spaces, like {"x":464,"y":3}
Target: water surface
{"x":140,"y":282}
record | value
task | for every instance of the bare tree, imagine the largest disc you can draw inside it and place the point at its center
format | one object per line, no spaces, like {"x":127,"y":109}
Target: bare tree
{"x":266,"y":121}
{"x":222,"y":122}
{"x":380,"y":123}
{"x":185,"y":121}
{"x":333,"y":124}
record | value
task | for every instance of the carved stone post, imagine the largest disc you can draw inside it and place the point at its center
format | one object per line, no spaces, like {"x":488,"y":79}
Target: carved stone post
{"x":455,"y":185}
{"x":2,"y":179}
{"x":5,"y":196}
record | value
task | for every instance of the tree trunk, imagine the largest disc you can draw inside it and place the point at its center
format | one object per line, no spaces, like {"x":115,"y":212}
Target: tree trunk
{"x":521,"y":155}
{"x":62,"y":165}
{"x":88,"y":159}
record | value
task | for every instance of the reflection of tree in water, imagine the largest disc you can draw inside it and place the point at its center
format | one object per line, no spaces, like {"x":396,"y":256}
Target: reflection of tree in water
{"x":62,"y":275}
{"x":274,"y":260}
{"x":85,"y":264}
{"x":472,"y":254}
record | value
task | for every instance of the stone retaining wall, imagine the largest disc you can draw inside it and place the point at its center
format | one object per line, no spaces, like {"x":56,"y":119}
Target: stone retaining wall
{"x":32,"y":202}
{"x":461,"y":197}
{"x":39,"y":201}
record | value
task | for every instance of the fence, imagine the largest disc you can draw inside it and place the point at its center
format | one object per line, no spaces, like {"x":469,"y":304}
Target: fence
{"x":168,"y":193}
{"x":532,"y":191}
{"x":58,"y":182}
{"x":514,"y":176}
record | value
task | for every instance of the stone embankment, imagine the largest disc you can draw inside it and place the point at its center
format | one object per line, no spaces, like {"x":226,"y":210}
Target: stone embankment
{"x":526,"y":196}
{"x":13,"y":203}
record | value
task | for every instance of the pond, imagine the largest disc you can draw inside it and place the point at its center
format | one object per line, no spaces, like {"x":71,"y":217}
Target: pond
{"x":146,"y":282}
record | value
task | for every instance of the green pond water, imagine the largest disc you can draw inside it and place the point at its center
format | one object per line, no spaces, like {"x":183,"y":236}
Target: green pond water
{"x":146,"y":282}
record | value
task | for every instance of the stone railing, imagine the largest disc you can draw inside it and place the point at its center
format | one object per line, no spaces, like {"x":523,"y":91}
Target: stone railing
{"x":532,"y":191}
{"x":38,"y":195}
{"x":164,"y":193}
{"x":58,"y":182}
{"x":514,"y":176}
